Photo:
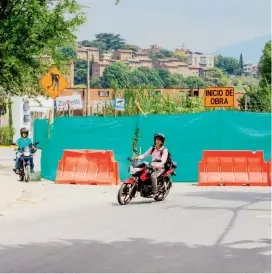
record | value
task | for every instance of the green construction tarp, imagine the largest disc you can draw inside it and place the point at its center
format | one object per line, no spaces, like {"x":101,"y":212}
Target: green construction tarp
{"x":102,"y":133}
{"x":40,"y":131}
{"x":189,"y":134}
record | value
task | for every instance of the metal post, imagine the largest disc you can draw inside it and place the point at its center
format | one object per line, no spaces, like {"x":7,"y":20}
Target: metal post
{"x":88,"y":83}
{"x":245,"y":102}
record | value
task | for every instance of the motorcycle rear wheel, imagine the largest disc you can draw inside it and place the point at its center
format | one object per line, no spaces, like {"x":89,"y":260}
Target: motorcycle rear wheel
{"x":124,"y":190}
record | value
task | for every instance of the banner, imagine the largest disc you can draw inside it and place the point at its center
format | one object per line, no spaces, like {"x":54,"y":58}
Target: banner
{"x":74,"y":101}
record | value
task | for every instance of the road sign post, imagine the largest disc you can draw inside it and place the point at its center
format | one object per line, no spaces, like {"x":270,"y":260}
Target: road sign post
{"x":88,"y":83}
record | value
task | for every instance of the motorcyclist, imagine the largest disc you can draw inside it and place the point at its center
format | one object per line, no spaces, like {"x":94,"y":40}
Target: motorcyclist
{"x":159,"y":157}
{"x":22,"y":142}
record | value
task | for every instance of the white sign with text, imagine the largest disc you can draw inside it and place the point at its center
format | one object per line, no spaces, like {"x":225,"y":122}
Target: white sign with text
{"x":74,"y":101}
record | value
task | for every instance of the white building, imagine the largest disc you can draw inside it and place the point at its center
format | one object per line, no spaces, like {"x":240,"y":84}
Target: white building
{"x":107,"y":55}
{"x":201,"y":60}
{"x":24,"y":111}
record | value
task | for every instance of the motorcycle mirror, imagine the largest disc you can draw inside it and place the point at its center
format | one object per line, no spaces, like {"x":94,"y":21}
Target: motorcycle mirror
{"x":130,"y":159}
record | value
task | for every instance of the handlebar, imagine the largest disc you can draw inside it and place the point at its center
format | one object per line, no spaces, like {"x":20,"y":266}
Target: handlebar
{"x":36,"y":143}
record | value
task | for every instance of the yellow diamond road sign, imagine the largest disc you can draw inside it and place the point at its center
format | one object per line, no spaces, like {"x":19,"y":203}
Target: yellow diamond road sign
{"x":54,"y":82}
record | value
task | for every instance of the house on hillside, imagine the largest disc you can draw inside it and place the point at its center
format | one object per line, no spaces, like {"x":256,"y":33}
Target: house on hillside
{"x":123,"y":54}
{"x":93,"y":53}
{"x":99,"y":67}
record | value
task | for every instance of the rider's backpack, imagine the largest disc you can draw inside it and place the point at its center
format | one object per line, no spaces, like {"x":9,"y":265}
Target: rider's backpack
{"x":169,"y":162}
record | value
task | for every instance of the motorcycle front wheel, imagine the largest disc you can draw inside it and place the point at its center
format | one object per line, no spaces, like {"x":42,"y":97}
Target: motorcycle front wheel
{"x":27,"y":173}
{"x":124,"y":194}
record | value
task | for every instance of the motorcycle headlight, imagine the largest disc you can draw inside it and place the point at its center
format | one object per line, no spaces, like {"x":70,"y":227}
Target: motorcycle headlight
{"x":133,"y":170}
{"x":27,"y":154}
{"x":19,"y":154}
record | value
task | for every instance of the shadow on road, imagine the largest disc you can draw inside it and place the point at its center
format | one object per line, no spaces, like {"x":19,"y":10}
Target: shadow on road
{"x":249,"y":199}
{"x":136,"y":255}
{"x":229,"y":195}
{"x":142,"y":202}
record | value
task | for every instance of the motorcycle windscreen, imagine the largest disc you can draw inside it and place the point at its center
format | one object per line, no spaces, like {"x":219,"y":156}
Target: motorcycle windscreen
{"x":27,"y":151}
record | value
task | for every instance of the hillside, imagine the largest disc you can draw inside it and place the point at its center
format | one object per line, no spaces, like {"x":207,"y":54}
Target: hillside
{"x":251,"y":49}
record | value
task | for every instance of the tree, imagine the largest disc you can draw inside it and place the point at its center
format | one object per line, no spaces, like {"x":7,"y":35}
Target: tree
{"x":195,"y":82}
{"x":216,"y":77}
{"x":117,"y":75}
{"x":241,"y":63}
{"x":130,"y":47}
{"x":68,"y":53}
{"x":95,"y":43}
{"x":183,"y":57}
{"x":29,"y":29}
{"x":176,"y":80}
{"x":111,"y":41}
{"x":260,"y":97}
{"x":155,"y":55}
{"x":265,"y":65}
{"x":138,"y":78}
{"x":80,"y":76}
{"x":96,"y":83}
{"x":228,"y":64}
{"x":167,"y":53}
{"x":163,"y":53}
{"x":165,"y":76}
{"x":153,"y":77}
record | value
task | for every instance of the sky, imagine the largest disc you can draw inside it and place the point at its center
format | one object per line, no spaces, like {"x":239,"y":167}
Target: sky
{"x":203,"y":25}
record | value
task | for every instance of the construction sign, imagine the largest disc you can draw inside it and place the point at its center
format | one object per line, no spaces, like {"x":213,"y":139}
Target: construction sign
{"x":54,"y":82}
{"x":219,"y":97}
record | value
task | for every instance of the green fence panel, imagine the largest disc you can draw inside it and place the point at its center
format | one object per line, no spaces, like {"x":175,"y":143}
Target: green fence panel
{"x":246,"y":131}
{"x":40,"y":133}
{"x":103,"y":133}
{"x":189,"y":134}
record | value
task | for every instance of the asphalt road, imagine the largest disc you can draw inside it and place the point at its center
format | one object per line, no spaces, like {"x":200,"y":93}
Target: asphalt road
{"x":196,"y":230}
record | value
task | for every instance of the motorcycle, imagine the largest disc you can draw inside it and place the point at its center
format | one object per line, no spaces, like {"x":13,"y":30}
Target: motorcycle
{"x":24,"y":162}
{"x":140,"y":182}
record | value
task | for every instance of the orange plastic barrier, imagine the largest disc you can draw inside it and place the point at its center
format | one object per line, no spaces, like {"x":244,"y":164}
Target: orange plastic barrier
{"x":270,"y":171}
{"x":88,"y":167}
{"x":234,"y":168}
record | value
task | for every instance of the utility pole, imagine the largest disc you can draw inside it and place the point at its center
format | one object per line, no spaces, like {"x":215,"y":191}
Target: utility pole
{"x":247,"y":100}
{"x":88,"y":83}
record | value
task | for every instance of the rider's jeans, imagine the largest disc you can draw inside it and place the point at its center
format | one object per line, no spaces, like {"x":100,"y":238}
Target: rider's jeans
{"x":18,"y":158}
{"x":154,"y":177}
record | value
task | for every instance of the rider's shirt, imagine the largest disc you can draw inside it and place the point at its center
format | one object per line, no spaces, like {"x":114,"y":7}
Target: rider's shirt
{"x":21,"y":143}
{"x":156,"y":155}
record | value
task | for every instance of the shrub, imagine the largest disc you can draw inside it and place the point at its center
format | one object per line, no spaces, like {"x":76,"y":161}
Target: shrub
{"x":6,"y":135}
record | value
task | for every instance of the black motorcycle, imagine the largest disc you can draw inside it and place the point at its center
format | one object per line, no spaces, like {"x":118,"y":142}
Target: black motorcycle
{"x":24,"y":162}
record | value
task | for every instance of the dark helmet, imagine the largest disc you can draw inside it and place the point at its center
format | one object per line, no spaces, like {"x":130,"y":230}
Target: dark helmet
{"x":24,"y":131}
{"x":160,"y":136}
